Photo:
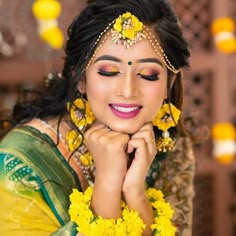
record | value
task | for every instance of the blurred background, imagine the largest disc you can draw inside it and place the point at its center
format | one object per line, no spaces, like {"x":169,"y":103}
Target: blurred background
{"x":28,"y":55}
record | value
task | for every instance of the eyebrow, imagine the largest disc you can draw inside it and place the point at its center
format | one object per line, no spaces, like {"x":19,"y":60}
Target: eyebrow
{"x":115,"y":59}
{"x":107,"y":58}
{"x":147,"y":60}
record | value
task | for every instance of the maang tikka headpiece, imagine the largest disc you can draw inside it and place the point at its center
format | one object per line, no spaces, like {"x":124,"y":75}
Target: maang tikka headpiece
{"x":128,"y":30}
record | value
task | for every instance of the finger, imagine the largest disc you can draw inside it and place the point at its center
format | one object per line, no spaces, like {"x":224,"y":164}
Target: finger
{"x":147,"y":133}
{"x":103,"y":135}
{"x":140,"y":145}
{"x":93,"y":128}
{"x":149,"y":139}
{"x":98,"y":129}
{"x":120,"y":140}
{"x":141,"y":155}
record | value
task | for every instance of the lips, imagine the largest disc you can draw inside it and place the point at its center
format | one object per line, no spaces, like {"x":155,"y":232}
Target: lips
{"x":125,"y":111}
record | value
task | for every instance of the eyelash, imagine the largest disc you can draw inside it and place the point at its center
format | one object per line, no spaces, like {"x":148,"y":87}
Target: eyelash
{"x":108,"y":73}
{"x":153,"y":77}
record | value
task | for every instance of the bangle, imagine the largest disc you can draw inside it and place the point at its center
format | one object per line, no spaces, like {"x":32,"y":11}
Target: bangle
{"x":130,"y":223}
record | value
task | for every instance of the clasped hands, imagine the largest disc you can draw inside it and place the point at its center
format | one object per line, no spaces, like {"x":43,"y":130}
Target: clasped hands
{"x":111,"y":151}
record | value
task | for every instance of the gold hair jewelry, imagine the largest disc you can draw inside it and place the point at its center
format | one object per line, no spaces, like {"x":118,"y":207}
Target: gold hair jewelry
{"x":167,"y":117}
{"x":127,"y":30}
{"x":81,"y":115}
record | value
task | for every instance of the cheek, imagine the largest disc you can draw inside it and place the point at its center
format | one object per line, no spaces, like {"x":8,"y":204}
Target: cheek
{"x":157,"y":92}
{"x":97,"y":92}
{"x":96,"y":87}
{"x":156,"y":96}
{"x":95,"y":84}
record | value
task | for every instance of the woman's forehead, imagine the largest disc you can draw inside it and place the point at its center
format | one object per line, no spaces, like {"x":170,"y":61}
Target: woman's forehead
{"x":140,"y":50}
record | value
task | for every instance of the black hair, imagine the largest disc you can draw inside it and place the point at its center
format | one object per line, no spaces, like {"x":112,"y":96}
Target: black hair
{"x":80,"y":46}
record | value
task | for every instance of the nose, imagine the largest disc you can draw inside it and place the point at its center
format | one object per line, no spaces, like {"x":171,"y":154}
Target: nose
{"x":128,"y":86}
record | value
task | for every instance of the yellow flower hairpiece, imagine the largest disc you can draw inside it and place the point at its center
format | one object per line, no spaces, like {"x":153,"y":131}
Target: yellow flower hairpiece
{"x":127,"y":30}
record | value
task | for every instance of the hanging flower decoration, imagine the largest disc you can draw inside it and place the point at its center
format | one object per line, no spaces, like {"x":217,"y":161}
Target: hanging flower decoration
{"x":224,"y":37}
{"x":81,"y":115}
{"x":224,"y":142}
{"x":80,"y":108}
{"x":46,"y":13}
{"x":167,"y":117}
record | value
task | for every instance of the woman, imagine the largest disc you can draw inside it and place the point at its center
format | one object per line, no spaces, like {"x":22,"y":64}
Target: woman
{"x":115,"y":111}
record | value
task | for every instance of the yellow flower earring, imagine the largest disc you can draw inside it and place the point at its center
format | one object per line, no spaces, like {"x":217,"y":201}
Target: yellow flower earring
{"x":81,"y":115}
{"x":167,"y":117}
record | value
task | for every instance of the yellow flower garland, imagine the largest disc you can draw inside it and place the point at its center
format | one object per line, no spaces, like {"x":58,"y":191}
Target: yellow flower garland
{"x":129,"y":223}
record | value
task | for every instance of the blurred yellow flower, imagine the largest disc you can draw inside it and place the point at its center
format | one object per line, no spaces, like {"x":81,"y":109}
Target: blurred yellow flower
{"x":53,"y":36}
{"x":224,"y":143}
{"x":46,"y":13}
{"x":223,"y":30}
{"x":46,"y":9}
{"x":223,"y":131}
{"x":222,"y":24}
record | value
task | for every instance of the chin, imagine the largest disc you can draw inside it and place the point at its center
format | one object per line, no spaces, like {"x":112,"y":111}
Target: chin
{"x":123,"y":129}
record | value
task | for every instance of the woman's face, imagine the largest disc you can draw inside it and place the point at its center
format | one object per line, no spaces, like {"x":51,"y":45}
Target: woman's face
{"x":125,"y":87}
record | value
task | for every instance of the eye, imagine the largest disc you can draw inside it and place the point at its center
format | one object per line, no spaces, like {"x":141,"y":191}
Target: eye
{"x":108,"y":73}
{"x":108,"y":70}
{"x":150,"y":74}
{"x":152,"y":77}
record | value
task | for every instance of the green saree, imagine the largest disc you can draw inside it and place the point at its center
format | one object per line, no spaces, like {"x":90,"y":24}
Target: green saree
{"x":37,"y":180}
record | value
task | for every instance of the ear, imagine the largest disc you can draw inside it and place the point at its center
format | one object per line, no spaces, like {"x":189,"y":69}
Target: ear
{"x":82,"y":85}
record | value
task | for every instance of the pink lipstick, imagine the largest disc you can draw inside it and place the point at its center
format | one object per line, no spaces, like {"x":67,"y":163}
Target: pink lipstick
{"x":125,"y":111}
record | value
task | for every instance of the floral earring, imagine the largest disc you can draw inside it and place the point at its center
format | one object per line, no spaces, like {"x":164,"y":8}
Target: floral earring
{"x":167,"y":117}
{"x":81,"y":115}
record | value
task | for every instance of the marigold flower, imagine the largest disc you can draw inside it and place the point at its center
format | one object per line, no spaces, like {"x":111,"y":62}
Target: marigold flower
{"x":129,"y":223}
{"x":128,"y":25}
